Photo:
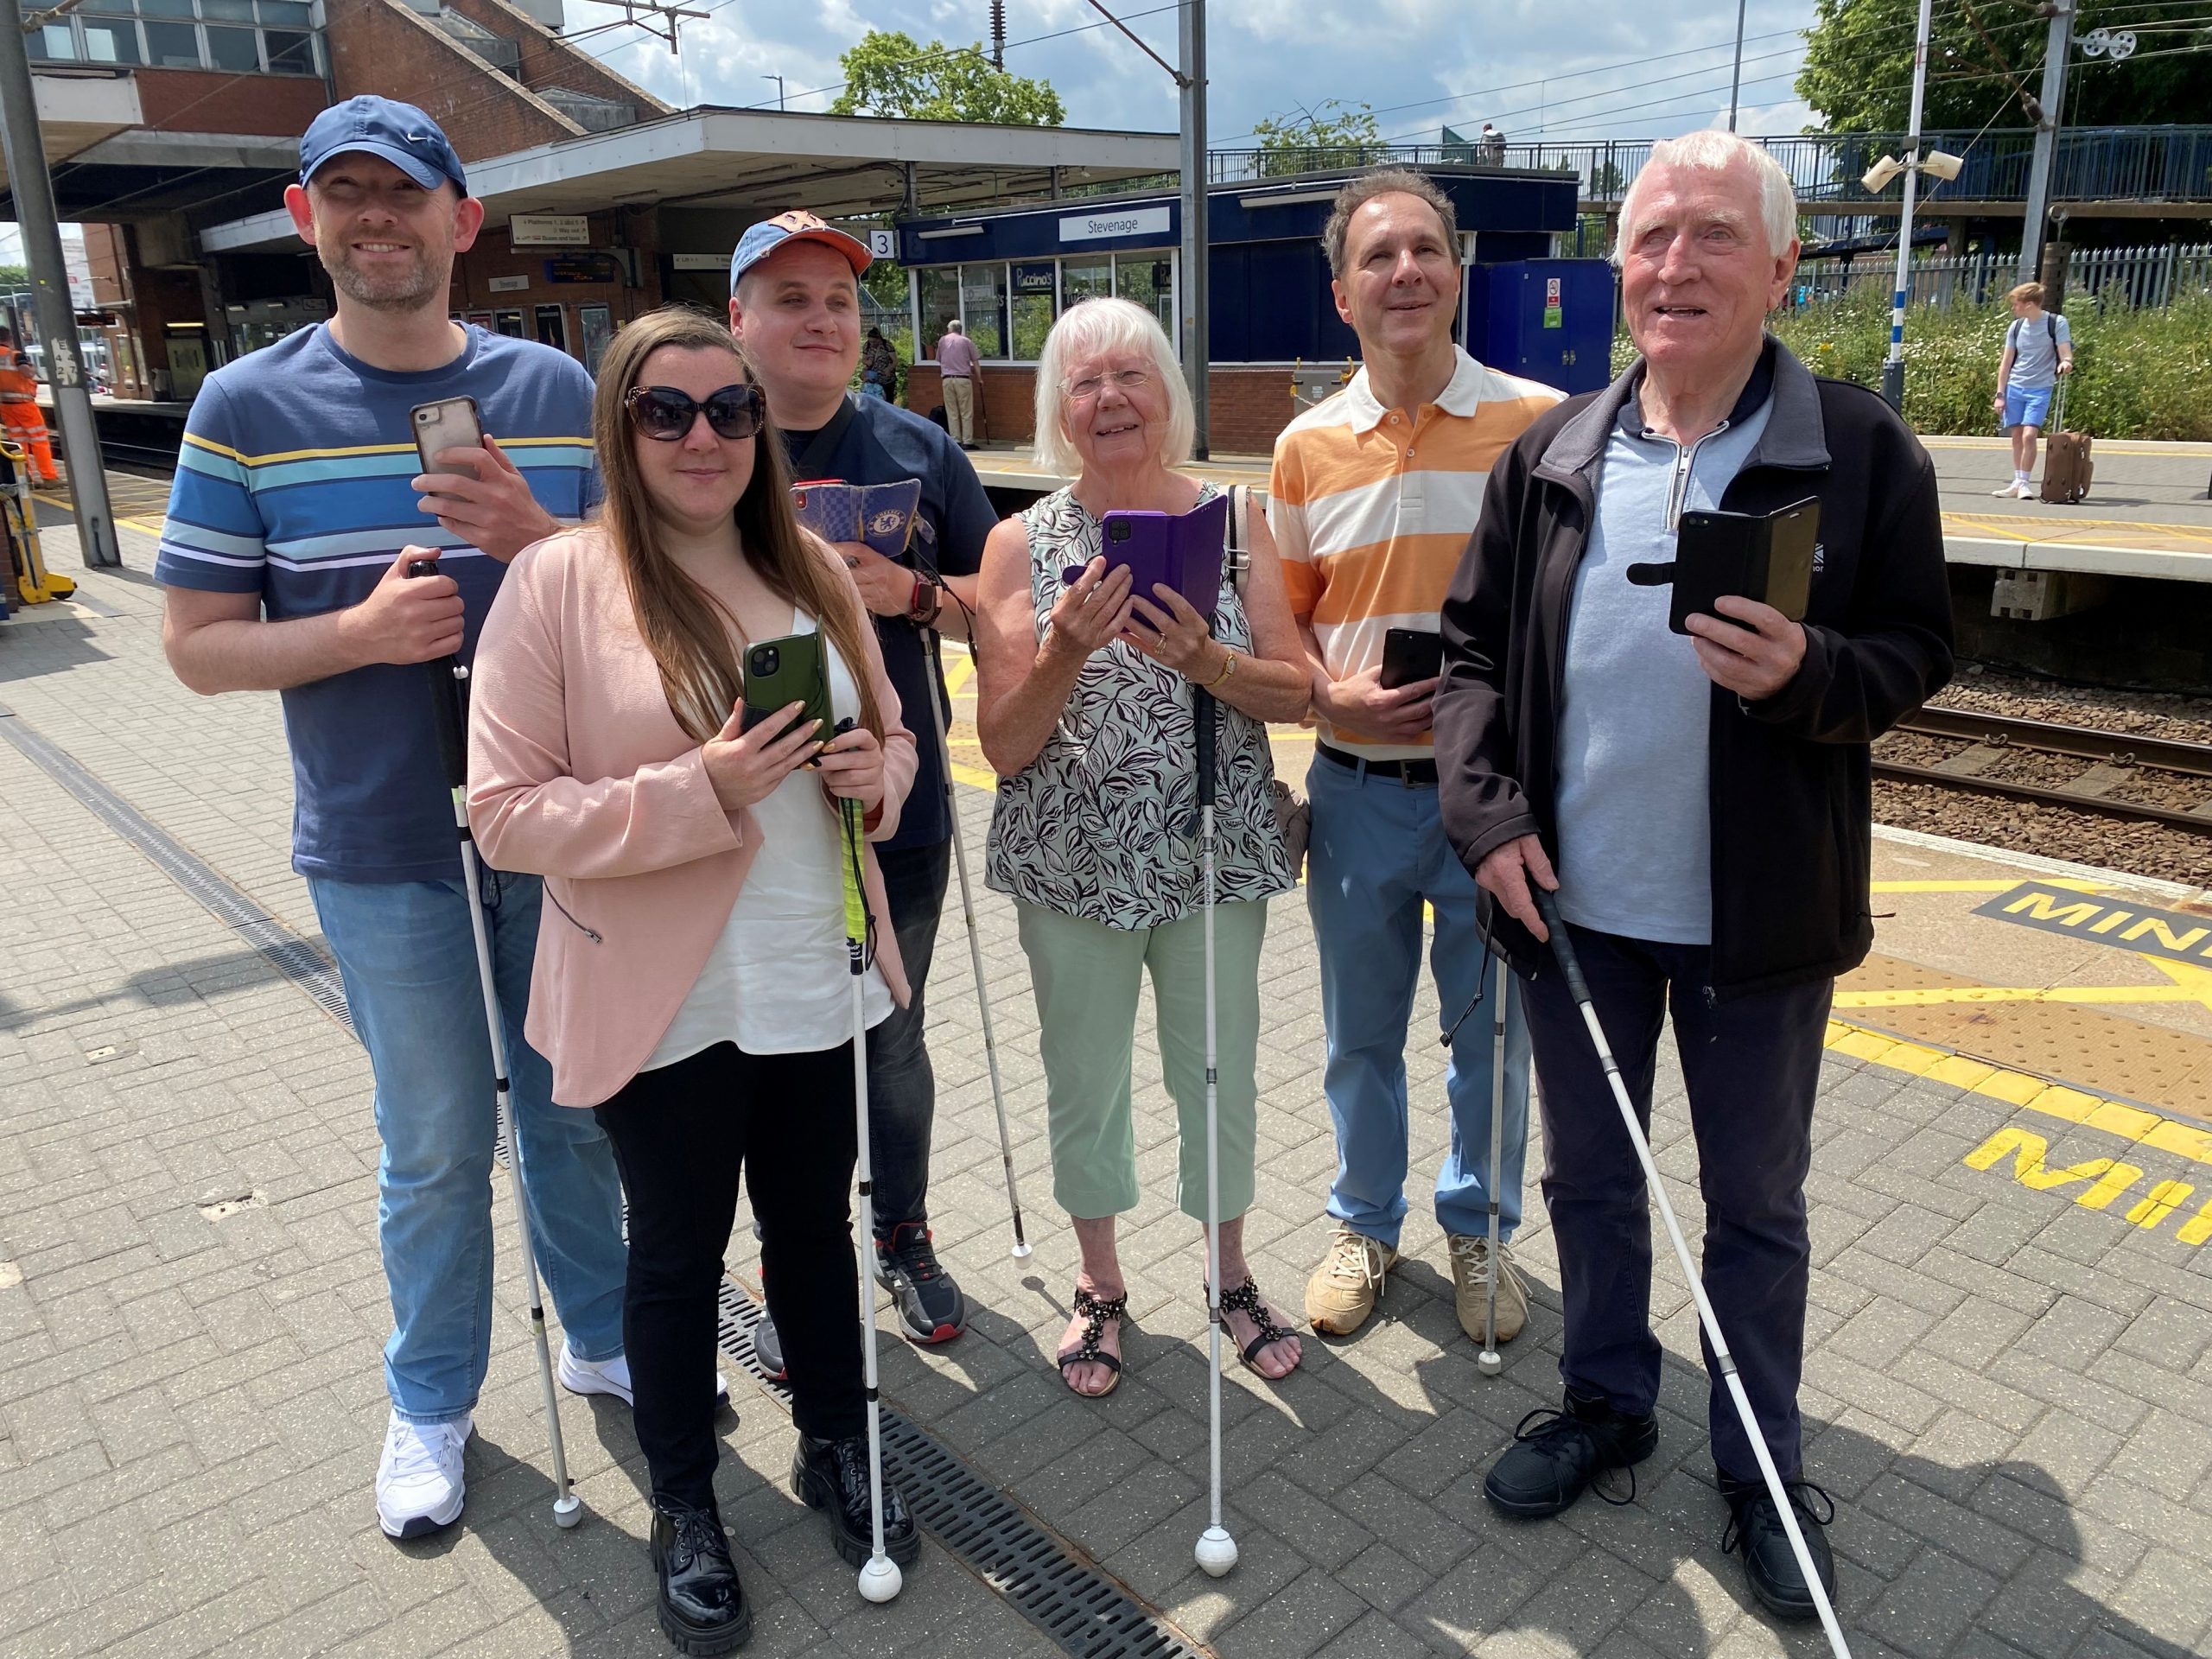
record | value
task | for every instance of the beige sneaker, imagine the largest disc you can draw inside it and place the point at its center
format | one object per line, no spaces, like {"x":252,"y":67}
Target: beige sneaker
{"x":1471,"y":1285}
{"x":1344,"y":1288}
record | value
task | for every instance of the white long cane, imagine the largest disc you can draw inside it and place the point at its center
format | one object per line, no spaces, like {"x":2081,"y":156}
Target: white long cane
{"x":446,"y":678}
{"x":974,"y":944}
{"x":1579,"y":988}
{"x":880,"y":1578}
{"x":1488,"y":1361}
{"x":1217,"y":1550}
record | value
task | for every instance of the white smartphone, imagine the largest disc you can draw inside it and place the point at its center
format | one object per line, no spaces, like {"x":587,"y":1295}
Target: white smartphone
{"x":449,"y":423}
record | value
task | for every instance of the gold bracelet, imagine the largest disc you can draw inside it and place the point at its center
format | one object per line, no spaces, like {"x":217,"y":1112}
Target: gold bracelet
{"x":1228,"y":668}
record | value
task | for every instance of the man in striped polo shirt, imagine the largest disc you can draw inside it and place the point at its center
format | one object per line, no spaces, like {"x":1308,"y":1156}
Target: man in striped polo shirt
{"x":1375,"y":494}
{"x":298,"y":505}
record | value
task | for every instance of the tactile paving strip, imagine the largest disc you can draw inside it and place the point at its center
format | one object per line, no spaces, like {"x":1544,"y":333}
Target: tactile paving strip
{"x":1044,"y":1579}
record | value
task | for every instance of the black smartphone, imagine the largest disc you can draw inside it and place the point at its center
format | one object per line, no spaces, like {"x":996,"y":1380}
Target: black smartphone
{"x":790,"y":670}
{"x":1767,"y":556}
{"x":1410,"y":654}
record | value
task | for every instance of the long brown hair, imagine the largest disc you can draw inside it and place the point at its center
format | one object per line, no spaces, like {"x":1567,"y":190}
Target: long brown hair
{"x":692,"y":635}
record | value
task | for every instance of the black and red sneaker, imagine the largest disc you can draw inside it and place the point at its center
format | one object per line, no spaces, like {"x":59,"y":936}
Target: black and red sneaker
{"x":930,"y":1307}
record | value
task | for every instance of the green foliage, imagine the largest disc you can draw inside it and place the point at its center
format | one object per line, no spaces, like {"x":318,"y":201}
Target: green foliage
{"x":1858,"y":70}
{"x":2142,"y":373}
{"x":15,"y":277}
{"x":888,"y":73}
{"x":1332,"y":133}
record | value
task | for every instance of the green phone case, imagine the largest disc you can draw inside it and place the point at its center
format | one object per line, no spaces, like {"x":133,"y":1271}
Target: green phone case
{"x":790,"y":670}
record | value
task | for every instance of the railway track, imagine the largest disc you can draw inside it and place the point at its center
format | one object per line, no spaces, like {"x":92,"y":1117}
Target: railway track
{"x":1993,"y":745}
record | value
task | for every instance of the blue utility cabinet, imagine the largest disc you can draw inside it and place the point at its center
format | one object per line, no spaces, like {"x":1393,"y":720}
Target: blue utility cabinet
{"x":1547,"y":320}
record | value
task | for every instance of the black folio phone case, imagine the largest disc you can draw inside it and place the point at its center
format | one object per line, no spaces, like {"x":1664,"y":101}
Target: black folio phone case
{"x":1767,"y":556}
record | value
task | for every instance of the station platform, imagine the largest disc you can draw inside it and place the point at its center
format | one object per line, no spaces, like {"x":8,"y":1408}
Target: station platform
{"x":2005,"y":1389}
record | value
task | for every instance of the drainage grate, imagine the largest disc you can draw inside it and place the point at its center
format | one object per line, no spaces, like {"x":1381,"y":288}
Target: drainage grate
{"x":291,"y":956}
{"x":1041,"y":1576}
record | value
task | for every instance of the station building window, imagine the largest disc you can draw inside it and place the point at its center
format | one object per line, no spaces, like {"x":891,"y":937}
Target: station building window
{"x":239,"y":36}
{"x":1007,"y":307}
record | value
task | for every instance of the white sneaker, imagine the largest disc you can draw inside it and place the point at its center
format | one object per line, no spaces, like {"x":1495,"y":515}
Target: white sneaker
{"x":2015,"y":490}
{"x":419,"y":1486}
{"x":611,"y":1375}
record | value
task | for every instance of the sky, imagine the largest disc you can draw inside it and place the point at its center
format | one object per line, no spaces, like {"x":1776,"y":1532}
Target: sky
{"x":1563,"y":71}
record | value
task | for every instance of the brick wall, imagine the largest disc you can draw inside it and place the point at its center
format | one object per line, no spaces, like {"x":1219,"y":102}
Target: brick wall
{"x":549,"y":61}
{"x":198,"y":100}
{"x":380,"y":46}
{"x":1247,"y":409}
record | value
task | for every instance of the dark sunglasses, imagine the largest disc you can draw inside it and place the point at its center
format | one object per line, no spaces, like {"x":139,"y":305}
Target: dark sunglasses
{"x":666,"y":415}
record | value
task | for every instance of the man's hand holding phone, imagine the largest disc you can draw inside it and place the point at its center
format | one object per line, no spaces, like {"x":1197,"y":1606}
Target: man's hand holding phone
{"x":745,"y":766}
{"x":1361,"y":704}
{"x":478,"y":495}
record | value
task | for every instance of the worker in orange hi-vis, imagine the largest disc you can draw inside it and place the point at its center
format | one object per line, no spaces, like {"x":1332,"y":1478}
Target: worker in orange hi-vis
{"x":21,"y":418}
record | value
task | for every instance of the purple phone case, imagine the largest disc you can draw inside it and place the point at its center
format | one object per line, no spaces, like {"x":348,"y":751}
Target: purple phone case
{"x":1182,"y":549}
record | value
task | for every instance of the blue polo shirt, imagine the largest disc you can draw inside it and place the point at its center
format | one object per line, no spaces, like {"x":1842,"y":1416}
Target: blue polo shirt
{"x":886,"y":444}
{"x":292,"y":486}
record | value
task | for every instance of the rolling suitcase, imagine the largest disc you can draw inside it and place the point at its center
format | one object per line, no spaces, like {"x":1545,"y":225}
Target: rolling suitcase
{"x":2066,"y":469}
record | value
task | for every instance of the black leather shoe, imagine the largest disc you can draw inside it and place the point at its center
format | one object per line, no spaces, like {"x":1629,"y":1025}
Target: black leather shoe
{"x":930,"y":1307}
{"x":1755,"y":1527}
{"x":702,"y":1603}
{"x":832,"y":1476}
{"x":1556,"y":1454}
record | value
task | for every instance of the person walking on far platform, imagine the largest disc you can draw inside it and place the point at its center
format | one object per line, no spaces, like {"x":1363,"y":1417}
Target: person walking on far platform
{"x":1373,"y":495}
{"x":959,"y":364}
{"x":298,"y":513}
{"x":1699,"y":803}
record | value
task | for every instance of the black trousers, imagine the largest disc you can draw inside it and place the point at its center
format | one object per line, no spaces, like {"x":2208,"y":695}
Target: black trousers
{"x":1751,"y":1064}
{"x":902,"y":1084}
{"x":682,"y":1134}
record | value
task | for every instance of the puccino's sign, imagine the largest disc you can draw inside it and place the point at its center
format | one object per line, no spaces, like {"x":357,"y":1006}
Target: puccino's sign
{"x":1112,"y":222}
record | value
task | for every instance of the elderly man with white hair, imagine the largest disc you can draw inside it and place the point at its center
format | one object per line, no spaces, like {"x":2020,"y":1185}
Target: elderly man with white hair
{"x":1699,"y":803}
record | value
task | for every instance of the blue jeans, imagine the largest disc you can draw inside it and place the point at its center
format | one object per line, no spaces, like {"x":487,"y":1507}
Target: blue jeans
{"x":408,"y":959}
{"x":901,"y":1085}
{"x":1378,"y":852}
{"x":1751,"y":1065}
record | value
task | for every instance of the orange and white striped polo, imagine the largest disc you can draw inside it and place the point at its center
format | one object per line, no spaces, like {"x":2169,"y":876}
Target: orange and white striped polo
{"x":1371,"y":514}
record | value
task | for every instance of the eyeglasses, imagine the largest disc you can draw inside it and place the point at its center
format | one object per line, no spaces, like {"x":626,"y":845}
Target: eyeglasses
{"x":667,"y":416}
{"x":1127,"y":381}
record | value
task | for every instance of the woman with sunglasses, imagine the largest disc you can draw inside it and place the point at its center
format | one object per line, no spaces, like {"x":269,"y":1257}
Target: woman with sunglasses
{"x":692,"y":985}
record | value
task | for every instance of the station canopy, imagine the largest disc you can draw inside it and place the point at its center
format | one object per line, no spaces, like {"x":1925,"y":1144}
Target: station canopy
{"x":840,"y":167}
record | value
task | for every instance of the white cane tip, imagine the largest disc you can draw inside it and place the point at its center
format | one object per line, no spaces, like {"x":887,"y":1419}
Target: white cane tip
{"x":1489,"y":1362}
{"x":880,"y":1580}
{"x":567,"y":1511}
{"x":1022,"y":1252}
{"x":1217,"y":1551}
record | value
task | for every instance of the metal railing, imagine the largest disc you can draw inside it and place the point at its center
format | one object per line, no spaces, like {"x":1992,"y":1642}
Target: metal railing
{"x":2145,"y":276}
{"x":2168,"y":164}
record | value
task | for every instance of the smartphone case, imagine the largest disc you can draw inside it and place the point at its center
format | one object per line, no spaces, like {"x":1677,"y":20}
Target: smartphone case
{"x":1182,"y":549}
{"x":789,"y":669}
{"x":880,"y":516}
{"x":1767,"y":556}
{"x":449,"y":423}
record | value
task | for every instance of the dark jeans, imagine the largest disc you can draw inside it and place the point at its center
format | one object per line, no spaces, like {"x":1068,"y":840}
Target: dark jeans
{"x":1752,"y":1064}
{"x":681,"y":1133}
{"x":901,"y":1086}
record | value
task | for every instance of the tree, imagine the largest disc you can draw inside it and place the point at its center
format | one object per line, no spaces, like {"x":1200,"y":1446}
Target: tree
{"x":1312,"y":139}
{"x":1984,"y":54}
{"x":15,"y":277}
{"x":887,"y":74}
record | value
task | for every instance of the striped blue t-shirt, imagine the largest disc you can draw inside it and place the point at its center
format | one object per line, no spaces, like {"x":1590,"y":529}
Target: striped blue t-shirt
{"x":293,"y":485}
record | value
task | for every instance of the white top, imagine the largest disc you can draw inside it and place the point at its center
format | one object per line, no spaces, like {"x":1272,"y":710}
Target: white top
{"x":779,"y":979}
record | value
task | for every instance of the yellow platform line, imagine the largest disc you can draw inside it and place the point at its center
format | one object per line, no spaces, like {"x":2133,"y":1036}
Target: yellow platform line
{"x":1937,"y":995}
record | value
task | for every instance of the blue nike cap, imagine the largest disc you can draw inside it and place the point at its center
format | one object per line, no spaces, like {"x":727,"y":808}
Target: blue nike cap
{"x":796,"y":226}
{"x":383,"y":127}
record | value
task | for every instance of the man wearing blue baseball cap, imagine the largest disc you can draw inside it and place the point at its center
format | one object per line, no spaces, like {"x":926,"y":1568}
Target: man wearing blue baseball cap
{"x":795,"y":308}
{"x":298,"y":508}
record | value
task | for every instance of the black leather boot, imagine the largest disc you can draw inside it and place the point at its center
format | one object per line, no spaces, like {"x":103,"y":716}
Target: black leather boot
{"x":1556,"y":1454}
{"x":702,"y":1603}
{"x":832,"y":1477}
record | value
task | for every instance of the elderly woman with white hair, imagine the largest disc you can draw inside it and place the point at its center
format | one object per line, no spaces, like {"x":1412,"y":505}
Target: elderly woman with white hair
{"x":1084,"y":706}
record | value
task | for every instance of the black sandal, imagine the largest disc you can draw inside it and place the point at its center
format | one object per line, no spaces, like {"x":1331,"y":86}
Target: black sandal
{"x":1096,"y":1311}
{"x":1246,"y":1300}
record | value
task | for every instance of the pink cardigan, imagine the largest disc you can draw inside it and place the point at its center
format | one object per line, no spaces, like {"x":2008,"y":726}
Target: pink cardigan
{"x":578,"y":772}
